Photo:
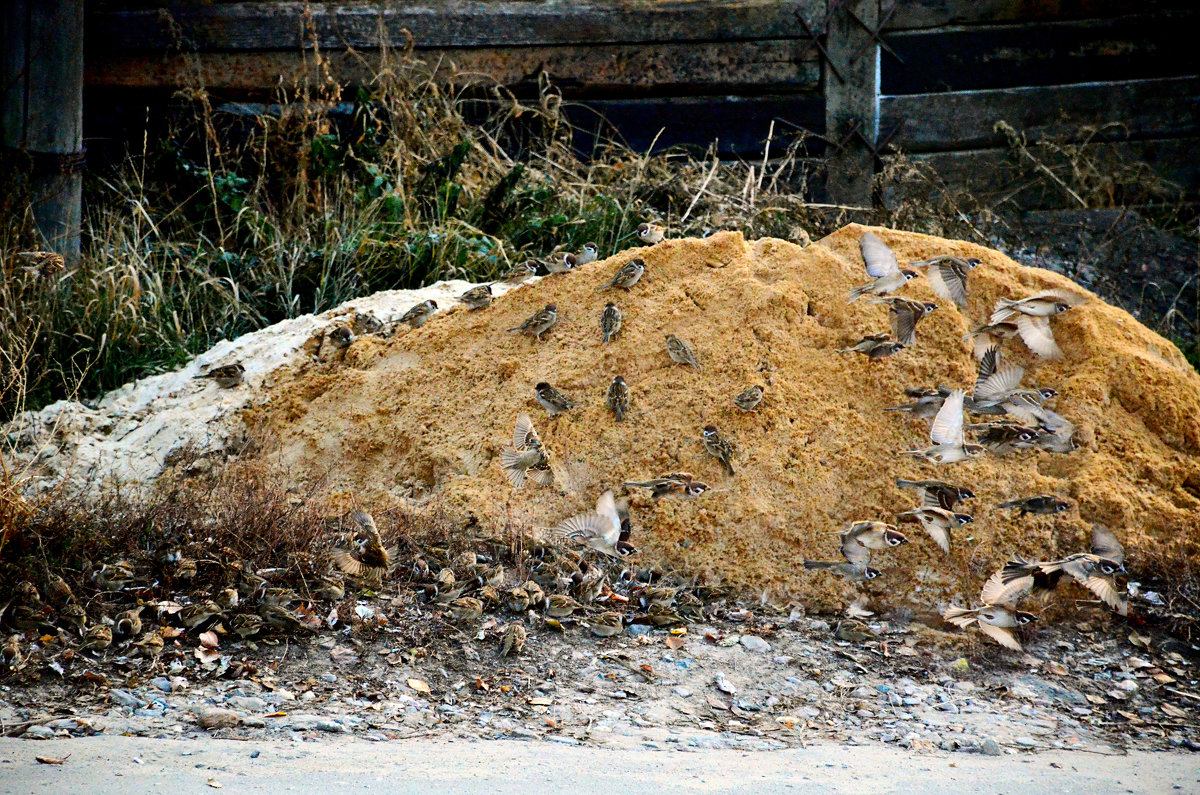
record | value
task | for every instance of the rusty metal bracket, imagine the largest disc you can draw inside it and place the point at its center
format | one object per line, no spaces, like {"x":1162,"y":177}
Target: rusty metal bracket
{"x":875,"y":33}
{"x":816,"y":36}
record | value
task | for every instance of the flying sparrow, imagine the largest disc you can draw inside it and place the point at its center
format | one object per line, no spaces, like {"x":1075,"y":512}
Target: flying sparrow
{"x":719,"y":448}
{"x":590,"y":253}
{"x":675,"y":484}
{"x":925,"y":405}
{"x":996,"y":621}
{"x":680,"y":351}
{"x":1032,"y":317}
{"x":749,"y":398}
{"x":626,"y":277}
{"x":855,"y":572}
{"x":512,"y":640}
{"x":1096,"y":570}
{"x":539,"y":322}
{"x":938,"y":522}
{"x":874,"y":346}
{"x":650,"y":234}
{"x":617,"y":398}
{"x":948,"y":276}
{"x":477,"y":297}
{"x":1005,"y":437}
{"x":991,"y":335}
{"x":997,"y":385}
{"x":419,"y":314}
{"x":599,"y":530}
{"x":606,"y":625}
{"x":882,"y":267}
{"x":42,"y":263}
{"x":226,"y":376}
{"x":368,"y":560}
{"x":562,"y":263}
{"x":610,"y":321}
{"x":946,"y":433}
{"x":527,"y":458}
{"x":871,"y":535}
{"x":903,"y":316}
{"x":553,"y":401}
{"x":1045,"y":504}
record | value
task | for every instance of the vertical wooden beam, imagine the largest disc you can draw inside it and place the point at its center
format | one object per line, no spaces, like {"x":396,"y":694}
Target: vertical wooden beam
{"x":851,"y":83}
{"x":41,"y":110}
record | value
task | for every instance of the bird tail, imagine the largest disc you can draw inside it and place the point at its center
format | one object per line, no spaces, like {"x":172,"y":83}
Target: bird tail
{"x":912,"y":453}
{"x":603,"y":287}
{"x":1019,"y":567}
{"x":509,"y":462}
{"x":845,"y":350}
{"x":1010,"y":504}
{"x":960,"y":616}
{"x":901,"y":483}
{"x":898,"y":408}
{"x":857,"y":293}
{"x":818,"y":565}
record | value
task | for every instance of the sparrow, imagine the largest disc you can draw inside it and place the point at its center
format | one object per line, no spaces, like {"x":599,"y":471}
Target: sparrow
{"x":281,"y":597}
{"x":903,"y":316}
{"x":553,"y":401}
{"x":874,"y":346}
{"x":282,"y":618}
{"x":675,"y":484}
{"x":938,"y":522}
{"x":1058,"y":433}
{"x":563,"y":263}
{"x":946,"y":432}
{"x":365,"y":323}
{"x":680,"y":351}
{"x":42,"y":263}
{"x":599,"y":530}
{"x":330,"y":588}
{"x":626,"y":277}
{"x":610,"y":321}
{"x":1032,"y":317}
{"x":74,"y":615}
{"x":997,"y":384}
{"x":749,"y":398}
{"x":560,"y":606}
{"x":882,"y":267}
{"x":419,"y":314}
{"x":663,"y":616}
{"x":226,"y":376}
{"x":247,"y":625}
{"x":128,"y":623}
{"x":854,"y":631}
{"x":1005,"y":437}
{"x":10,"y":653}
{"x":98,"y":637}
{"x":198,"y":614}
{"x":477,"y":297}
{"x":58,"y":591}
{"x":991,"y":335}
{"x":512,"y":640}
{"x":369,"y":560}
{"x":466,"y":608}
{"x":948,"y":276}
{"x":656,"y":596}
{"x":858,"y":608}
{"x":150,"y":645}
{"x":998,"y":622}
{"x":26,"y":617}
{"x":341,"y":337}
{"x":926,"y":403}
{"x":606,"y":624}
{"x":227,"y":598}
{"x":27,"y":593}
{"x":536,"y":595}
{"x":539,"y":322}
{"x":651,"y":234}
{"x":624,"y":546}
{"x":521,"y":273}
{"x":1096,"y":570}
{"x":517,"y":599}
{"x":871,"y":535}
{"x":114,"y":576}
{"x":527,"y":458}
{"x":184,"y":570}
{"x":719,"y":448}
{"x":589,"y":254}
{"x":855,"y":572}
{"x":617,"y":398}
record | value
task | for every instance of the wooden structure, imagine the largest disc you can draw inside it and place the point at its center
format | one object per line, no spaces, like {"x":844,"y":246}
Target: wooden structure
{"x":929,"y":77}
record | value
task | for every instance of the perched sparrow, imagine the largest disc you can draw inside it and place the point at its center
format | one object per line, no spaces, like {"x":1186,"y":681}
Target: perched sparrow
{"x":227,"y":598}
{"x":626,"y":277}
{"x":1096,"y":570}
{"x":477,"y":297}
{"x":676,"y":484}
{"x":26,"y":617}
{"x":196,"y":615}
{"x":184,"y":570}
{"x":341,"y":337}
{"x":366,"y":323}
{"x":938,"y":522}
{"x":610,"y":321}
{"x":281,"y":597}
{"x":749,"y":398}
{"x":247,"y":625}
{"x":854,"y":631}
{"x":282,"y":618}
{"x":58,"y":591}
{"x":419,"y":314}
{"x":560,"y":606}
{"x":947,"y":435}
{"x":150,"y":645}
{"x":935,"y":493}
{"x":606,"y":625}
{"x":527,"y":458}
{"x":991,"y":335}
{"x":948,"y":276}
{"x":370,"y":560}
{"x":42,"y":263}
{"x":521,"y":273}
{"x":599,"y":530}
{"x":512,"y":640}
{"x":1032,"y":316}
{"x":663,"y":616}
{"x":589,"y":254}
{"x":330,"y":588}
{"x":466,"y":608}
{"x":98,"y":637}
{"x":128,"y":623}
{"x":563,"y":263}
{"x":517,"y":600}
{"x":114,"y":576}
{"x":680,"y":351}
{"x":27,"y":593}
{"x":651,"y":234}
{"x":926,"y":404}
{"x":871,"y":535}
{"x":1004,"y":437}
{"x":995,"y":621}
{"x":882,"y":267}
{"x":536,"y":595}
{"x":719,"y":448}
{"x":539,"y":322}
{"x":617,"y":398}
{"x":903,"y":316}
{"x":874,"y":346}
{"x":656,"y":596}
{"x":74,"y":615}
{"x":10,"y":653}
{"x":553,"y":401}
{"x":227,"y":376}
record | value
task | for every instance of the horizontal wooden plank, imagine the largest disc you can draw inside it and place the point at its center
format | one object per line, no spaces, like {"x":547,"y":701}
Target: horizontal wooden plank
{"x":966,"y":59}
{"x":444,"y":23}
{"x":966,"y":120}
{"x":997,"y":174}
{"x":910,"y":14}
{"x":755,"y":67}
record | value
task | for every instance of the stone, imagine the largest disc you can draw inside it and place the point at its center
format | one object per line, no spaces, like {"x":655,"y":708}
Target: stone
{"x":38,"y":733}
{"x":247,"y":703}
{"x":989,"y":747}
{"x":217,"y":718}
{"x":125,"y":699}
{"x":755,"y":644}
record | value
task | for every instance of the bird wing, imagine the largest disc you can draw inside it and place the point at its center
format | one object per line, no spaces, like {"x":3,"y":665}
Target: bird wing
{"x":606,"y":508}
{"x":879,"y":258}
{"x":939,"y":534}
{"x":542,"y":474}
{"x":1000,"y":384}
{"x":1036,"y":333}
{"x":1106,"y":545}
{"x":1104,"y":588}
{"x":903,"y":321}
{"x":947,"y":426}
{"x":999,"y":590}
{"x":960,"y":616}
{"x":988,"y":364}
{"x":948,"y":282}
{"x":855,"y":553}
{"x":584,"y":527}
{"x":1002,"y":636}
{"x":524,"y":432}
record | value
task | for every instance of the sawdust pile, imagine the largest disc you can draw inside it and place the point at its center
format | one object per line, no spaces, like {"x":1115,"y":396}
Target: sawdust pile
{"x":426,"y":413}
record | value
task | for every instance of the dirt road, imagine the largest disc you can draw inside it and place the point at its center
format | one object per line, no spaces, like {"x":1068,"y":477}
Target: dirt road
{"x":114,"y":764}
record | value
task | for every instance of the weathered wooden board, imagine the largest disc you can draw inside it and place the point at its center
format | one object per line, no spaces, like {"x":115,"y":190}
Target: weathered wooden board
{"x":964,"y":59}
{"x":445,"y":23}
{"x":851,"y":100}
{"x":748,"y":67}
{"x":911,"y":14}
{"x":966,"y":120}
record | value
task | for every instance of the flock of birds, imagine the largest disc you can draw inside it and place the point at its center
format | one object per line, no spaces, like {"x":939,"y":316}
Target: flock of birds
{"x":1019,"y":421}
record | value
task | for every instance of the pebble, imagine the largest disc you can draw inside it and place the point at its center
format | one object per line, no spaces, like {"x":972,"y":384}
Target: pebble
{"x":753,"y":643}
{"x":125,"y":698}
{"x":247,"y":703}
{"x":1026,"y":742}
{"x":162,"y":683}
{"x":38,"y":733}
{"x":217,"y":718}
{"x":331,"y":678}
{"x":333,"y":726}
{"x":554,"y":738}
{"x":683,"y":692}
{"x":1128,"y":685}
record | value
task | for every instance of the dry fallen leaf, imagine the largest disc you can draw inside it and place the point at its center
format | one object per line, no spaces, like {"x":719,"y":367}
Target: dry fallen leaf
{"x":1057,"y":669}
{"x":50,"y":760}
{"x":343,"y":655}
{"x":212,"y":782}
{"x":209,"y":640}
{"x":207,"y":656}
{"x":674,"y":642}
{"x":419,"y":686}
{"x":1172,"y":710}
{"x":169,"y":632}
{"x":1139,"y":640}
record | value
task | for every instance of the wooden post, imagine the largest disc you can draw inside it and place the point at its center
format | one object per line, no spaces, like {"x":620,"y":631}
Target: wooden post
{"x":851,"y":83}
{"x":41,"y":110}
